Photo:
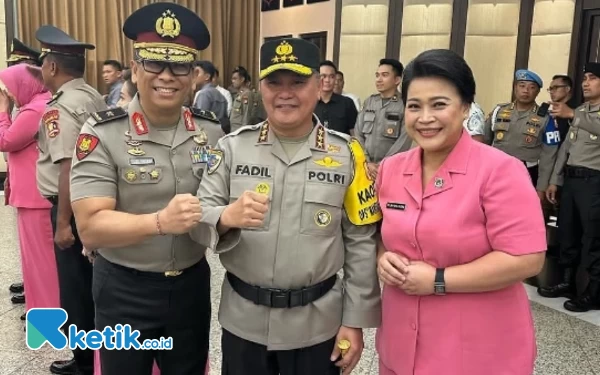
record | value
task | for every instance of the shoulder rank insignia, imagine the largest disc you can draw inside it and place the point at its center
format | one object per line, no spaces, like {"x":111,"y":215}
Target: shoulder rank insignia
{"x":102,"y":117}
{"x":55,"y":97}
{"x":204,"y":114}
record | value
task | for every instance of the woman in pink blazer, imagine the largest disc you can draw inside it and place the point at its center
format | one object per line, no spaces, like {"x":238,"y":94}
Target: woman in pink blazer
{"x":462,"y":227}
{"x":24,"y":87}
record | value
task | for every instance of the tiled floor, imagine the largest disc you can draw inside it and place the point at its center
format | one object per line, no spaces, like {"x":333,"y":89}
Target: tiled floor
{"x":567,"y":344}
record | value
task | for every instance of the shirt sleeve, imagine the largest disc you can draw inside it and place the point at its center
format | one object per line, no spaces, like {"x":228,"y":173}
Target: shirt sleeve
{"x":93,"y":171}
{"x":202,"y":101}
{"x":20,"y":133}
{"x":62,"y":130}
{"x":514,"y":218}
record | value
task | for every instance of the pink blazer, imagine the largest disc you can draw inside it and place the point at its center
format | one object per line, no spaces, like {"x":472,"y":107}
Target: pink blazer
{"x":17,"y":138}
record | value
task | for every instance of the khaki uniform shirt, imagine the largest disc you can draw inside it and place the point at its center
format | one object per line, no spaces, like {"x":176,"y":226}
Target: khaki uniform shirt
{"x":66,"y":113}
{"x":121,"y":155}
{"x":308,"y":234}
{"x":525,"y":136}
{"x":379,"y":127}
{"x":247,"y":109}
{"x":582,"y":146}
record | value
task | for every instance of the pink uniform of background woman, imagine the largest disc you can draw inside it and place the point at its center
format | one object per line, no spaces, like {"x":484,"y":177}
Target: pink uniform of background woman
{"x":17,"y":138}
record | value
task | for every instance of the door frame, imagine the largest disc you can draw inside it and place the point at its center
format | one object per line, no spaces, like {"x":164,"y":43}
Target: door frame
{"x":583,"y":50}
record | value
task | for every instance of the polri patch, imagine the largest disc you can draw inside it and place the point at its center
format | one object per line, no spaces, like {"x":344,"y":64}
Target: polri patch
{"x":86,"y":143}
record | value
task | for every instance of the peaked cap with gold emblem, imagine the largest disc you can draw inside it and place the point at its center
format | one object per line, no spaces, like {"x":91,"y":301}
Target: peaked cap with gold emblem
{"x":20,"y":52}
{"x":297,"y":55}
{"x":56,"y":41}
{"x":166,"y":32}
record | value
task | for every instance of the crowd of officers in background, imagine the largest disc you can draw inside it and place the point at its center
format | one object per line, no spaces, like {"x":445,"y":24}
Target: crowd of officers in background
{"x":558,"y":143}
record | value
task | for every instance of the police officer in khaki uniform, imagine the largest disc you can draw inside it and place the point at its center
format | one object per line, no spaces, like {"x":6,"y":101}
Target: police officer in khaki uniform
{"x":63,"y":66}
{"x":247,"y":108}
{"x":379,"y":123}
{"x":578,"y":171}
{"x":135,"y":175}
{"x":293,"y":205}
{"x":522,"y":129}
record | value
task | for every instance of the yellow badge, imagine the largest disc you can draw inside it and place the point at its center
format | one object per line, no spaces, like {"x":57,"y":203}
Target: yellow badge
{"x":322,"y":218}
{"x":530,"y":130}
{"x":333,"y":149}
{"x":201,"y":138}
{"x":328,"y":162}
{"x":360,"y":202}
{"x":284,"y":53}
{"x":262,"y":188}
{"x":131,"y":175}
{"x":168,"y":25}
{"x":593,"y":137}
{"x":505,"y":115}
{"x":154,"y":174}
{"x":500,"y":136}
{"x":535,"y":119}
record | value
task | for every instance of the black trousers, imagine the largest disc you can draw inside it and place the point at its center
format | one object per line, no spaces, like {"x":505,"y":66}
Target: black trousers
{"x":533,"y":173}
{"x":579,"y":224}
{"x":157,"y":306}
{"x":243,"y":357}
{"x":75,"y":284}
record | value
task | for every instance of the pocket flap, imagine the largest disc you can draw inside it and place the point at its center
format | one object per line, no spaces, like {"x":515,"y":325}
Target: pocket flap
{"x":331,"y":195}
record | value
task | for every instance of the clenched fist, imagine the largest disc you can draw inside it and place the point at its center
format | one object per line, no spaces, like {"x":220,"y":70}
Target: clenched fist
{"x":181,"y":214}
{"x":246,"y":212}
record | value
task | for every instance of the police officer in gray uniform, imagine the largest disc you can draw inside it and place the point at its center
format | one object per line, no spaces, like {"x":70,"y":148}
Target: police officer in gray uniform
{"x":134,"y":175}
{"x":63,"y":66}
{"x":292,"y":203}
{"x":247,"y":105}
{"x":522,"y":129}
{"x":578,"y":171}
{"x":379,"y":123}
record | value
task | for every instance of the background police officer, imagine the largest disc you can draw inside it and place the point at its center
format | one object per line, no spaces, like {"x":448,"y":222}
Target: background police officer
{"x":578,"y":171}
{"x":522,"y":129}
{"x":133,"y":178}
{"x":63,"y":66}
{"x":247,"y":105}
{"x":302,"y":208}
{"x":379,"y":123}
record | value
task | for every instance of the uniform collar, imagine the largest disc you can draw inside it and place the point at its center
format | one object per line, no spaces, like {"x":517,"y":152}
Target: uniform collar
{"x":592,"y":108}
{"x":456,"y":162}
{"x":140,"y":128}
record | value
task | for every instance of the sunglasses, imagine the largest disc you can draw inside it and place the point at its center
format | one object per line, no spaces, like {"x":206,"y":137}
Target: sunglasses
{"x":157,"y":67}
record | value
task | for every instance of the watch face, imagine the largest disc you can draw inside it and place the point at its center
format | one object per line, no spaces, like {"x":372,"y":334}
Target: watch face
{"x":439,"y":289}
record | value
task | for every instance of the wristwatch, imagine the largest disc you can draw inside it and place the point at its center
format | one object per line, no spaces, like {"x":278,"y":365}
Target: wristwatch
{"x":439,"y":285}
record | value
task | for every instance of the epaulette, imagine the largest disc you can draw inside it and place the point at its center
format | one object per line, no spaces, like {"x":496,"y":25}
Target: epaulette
{"x":503,"y":104}
{"x":204,"y":114}
{"x":247,"y":127}
{"x":344,"y":136}
{"x":109,"y":115}
{"x":55,"y":97}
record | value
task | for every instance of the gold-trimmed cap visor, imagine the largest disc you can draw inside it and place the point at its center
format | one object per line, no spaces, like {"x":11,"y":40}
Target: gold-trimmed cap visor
{"x":169,"y":52}
{"x":297,"y":55}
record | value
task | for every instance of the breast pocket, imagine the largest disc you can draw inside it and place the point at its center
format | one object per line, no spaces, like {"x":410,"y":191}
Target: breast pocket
{"x":392,"y":125}
{"x":134,"y":175}
{"x":262,"y":186}
{"x":322,"y":209}
{"x":530,"y":136}
{"x":368,"y":122}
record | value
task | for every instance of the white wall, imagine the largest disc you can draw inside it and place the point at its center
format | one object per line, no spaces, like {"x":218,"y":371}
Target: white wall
{"x":307,"y":18}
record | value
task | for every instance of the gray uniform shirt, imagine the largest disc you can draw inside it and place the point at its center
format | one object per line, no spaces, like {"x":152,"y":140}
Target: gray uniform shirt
{"x":247,"y":109}
{"x":66,"y":113}
{"x":128,"y":159}
{"x":379,"y":127}
{"x":525,"y":136}
{"x":306,"y":238}
{"x":581,"y":148}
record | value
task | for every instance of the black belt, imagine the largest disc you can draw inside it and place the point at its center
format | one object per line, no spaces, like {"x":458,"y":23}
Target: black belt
{"x":156,"y":275}
{"x":280,"y":298}
{"x":580,"y":172}
{"x":53,"y":199}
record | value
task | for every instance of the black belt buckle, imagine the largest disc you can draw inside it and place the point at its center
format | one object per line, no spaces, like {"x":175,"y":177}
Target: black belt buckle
{"x":277,"y":298}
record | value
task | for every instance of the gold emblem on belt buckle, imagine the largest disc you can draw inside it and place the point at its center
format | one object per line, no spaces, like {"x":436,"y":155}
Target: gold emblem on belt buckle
{"x":173,"y":273}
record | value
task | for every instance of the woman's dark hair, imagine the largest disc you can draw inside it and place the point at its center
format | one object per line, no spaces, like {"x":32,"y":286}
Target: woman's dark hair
{"x":445,"y":64}
{"x":242,"y":72}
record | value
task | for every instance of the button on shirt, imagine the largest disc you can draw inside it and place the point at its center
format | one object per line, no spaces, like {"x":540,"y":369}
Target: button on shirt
{"x":493,"y":207}
{"x":338,"y":114}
